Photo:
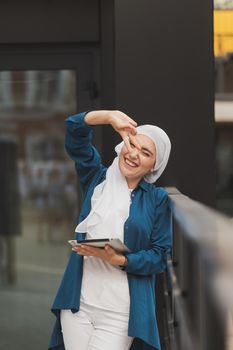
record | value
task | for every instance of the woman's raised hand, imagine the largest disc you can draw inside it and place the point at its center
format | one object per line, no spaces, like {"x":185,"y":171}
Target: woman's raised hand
{"x":121,"y":122}
{"x":124,"y":125}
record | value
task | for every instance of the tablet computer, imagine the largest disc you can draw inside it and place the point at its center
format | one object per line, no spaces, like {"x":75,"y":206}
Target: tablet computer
{"x":115,"y":243}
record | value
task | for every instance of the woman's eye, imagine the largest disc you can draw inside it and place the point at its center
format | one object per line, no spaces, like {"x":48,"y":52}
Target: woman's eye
{"x":146,"y":154}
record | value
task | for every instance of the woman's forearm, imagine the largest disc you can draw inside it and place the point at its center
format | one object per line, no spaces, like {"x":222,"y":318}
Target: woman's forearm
{"x":98,"y":117}
{"x":120,"y":122}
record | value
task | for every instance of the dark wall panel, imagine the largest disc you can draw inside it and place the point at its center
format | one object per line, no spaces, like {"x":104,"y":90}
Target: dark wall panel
{"x":164,"y":76}
{"x":109,"y":136}
{"x":10,"y":223}
{"x":48,"y":21}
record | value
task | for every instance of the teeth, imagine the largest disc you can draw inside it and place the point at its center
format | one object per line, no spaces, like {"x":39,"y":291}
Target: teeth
{"x":130,"y":163}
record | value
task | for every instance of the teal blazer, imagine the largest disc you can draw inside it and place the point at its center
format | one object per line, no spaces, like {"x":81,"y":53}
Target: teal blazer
{"x":147,"y":232}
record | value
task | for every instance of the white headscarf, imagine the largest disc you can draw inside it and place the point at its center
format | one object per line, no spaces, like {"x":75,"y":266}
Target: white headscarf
{"x":109,"y":206}
{"x":110,"y":201}
{"x":162,"y":145}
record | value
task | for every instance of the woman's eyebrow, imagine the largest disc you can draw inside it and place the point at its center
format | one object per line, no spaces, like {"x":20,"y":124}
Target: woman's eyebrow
{"x":142,"y":148}
{"x":146,"y":149}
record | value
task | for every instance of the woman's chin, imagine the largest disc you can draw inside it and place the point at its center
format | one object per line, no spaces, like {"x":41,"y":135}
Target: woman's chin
{"x":127,"y":172}
{"x":130,"y":175}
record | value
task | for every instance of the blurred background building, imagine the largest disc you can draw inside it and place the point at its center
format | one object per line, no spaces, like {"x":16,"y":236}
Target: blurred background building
{"x":223,"y":50}
{"x":152,"y":60}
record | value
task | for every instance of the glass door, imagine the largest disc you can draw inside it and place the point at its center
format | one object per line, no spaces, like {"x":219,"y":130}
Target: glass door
{"x":39,"y":196}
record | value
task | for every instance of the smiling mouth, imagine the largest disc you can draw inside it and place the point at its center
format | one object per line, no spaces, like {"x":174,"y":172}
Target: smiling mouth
{"x":130,"y":163}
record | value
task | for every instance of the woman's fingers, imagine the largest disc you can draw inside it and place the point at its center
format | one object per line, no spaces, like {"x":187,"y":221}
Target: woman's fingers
{"x":130,"y":139}
{"x":122,"y":122}
{"x":134,"y":140}
{"x":109,"y":250}
{"x":127,"y":126}
{"x":105,"y":254}
{"x":131,"y":129}
{"x":87,"y":250}
{"x":127,"y":142}
{"x":125,"y":117}
{"x":133,"y":132}
{"x":132,"y":122}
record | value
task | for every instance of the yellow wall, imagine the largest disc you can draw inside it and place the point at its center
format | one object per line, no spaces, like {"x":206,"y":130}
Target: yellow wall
{"x":223,"y":32}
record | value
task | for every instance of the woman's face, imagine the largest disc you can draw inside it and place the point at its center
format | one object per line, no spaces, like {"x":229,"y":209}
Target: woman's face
{"x":136,"y":163}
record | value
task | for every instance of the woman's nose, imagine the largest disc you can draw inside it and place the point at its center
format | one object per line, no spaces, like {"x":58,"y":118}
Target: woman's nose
{"x":134,"y":153}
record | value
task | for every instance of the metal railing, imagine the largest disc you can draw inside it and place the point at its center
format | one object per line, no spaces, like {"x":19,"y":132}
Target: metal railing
{"x":198,"y":283}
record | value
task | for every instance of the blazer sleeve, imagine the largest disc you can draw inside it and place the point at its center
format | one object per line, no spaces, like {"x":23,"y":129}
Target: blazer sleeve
{"x":153,"y":260}
{"x":78,"y":144}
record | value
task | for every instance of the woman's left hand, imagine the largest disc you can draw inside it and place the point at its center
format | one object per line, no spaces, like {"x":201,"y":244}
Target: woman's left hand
{"x":107,"y":254}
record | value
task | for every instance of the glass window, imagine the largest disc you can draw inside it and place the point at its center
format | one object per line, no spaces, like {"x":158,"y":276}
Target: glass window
{"x":39,"y":201}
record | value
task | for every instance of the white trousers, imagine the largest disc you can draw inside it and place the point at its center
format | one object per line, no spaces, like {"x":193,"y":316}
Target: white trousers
{"x":93,"y":328}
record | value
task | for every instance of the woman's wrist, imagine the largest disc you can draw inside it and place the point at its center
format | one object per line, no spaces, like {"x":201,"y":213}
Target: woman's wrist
{"x":122,"y":261}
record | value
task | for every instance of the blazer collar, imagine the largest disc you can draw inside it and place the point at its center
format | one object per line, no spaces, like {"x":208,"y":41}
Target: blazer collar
{"x":144,"y":185}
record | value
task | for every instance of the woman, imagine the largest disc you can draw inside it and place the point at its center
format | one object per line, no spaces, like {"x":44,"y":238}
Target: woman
{"x":106,"y":300}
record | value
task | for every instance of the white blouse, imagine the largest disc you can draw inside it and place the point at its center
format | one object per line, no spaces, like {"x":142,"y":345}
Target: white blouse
{"x":104,"y":285}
